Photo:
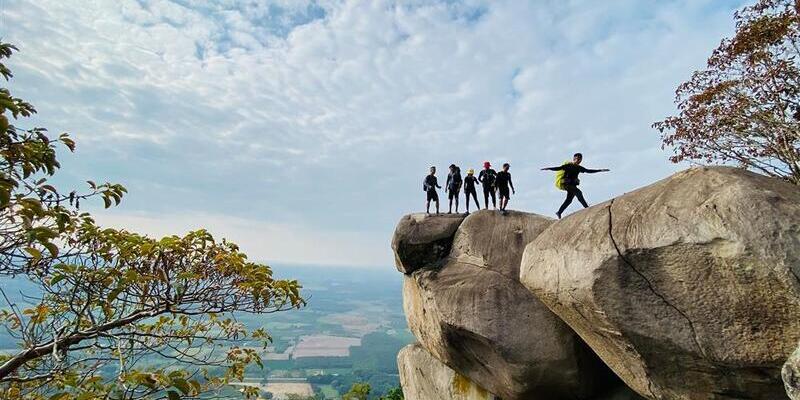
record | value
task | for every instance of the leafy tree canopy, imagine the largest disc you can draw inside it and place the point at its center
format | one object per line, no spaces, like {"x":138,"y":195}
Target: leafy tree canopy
{"x":109,"y":301}
{"x":744,"y":107}
{"x":361,"y":391}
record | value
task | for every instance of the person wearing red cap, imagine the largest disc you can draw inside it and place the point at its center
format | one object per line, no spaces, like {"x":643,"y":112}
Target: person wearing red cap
{"x":487,"y":178}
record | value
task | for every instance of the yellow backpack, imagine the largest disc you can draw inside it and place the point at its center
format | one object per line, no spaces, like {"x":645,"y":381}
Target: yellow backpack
{"x":560,"y":177}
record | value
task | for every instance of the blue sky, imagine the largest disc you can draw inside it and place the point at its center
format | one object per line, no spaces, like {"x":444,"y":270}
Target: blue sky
{"x":302,"y":129}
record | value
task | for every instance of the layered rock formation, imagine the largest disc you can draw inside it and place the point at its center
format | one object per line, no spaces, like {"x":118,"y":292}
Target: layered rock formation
{"x":468,"y":309}
{"x":688,"y":288}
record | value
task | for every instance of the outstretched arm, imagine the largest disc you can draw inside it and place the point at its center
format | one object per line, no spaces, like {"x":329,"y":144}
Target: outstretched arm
{"x":592,"y":171}
{"x":558,"y":168}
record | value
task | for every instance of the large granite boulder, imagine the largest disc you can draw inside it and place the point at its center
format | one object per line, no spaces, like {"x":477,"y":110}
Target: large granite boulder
{"x":791,"y":375}
{"x":688,"y":288}
{"x":423,"y":377}
{"x":472,"y":313}
{"x":423,"y":240}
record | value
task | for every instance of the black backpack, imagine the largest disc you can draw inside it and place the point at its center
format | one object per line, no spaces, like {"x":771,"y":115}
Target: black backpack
{"x":456,"y":177}
{"x":489,"y":176}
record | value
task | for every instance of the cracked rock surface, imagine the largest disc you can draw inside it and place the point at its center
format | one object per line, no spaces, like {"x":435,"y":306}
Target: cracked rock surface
{"x":687,"y":288}
{"x":471,"y":312}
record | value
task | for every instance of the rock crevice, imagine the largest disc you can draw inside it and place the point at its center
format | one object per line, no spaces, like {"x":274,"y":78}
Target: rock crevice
{"x":470,"y":312}
{"x":645,"y":278}
{"x":686,"y":289}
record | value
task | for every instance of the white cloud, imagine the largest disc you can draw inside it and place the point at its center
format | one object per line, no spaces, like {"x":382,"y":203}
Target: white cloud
{"x":325,"y":115}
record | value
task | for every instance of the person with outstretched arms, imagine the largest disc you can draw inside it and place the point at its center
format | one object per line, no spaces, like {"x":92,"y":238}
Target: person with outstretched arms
{"x":569,"y":181}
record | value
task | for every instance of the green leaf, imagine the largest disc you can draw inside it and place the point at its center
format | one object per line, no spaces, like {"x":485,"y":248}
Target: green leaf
{"x":50,"y":188}
{"x":52,"y":248}
{"x":35,"y":253}
{"x":182,"y":385}
{"x":5,"y":197}
{"x":114,"y":293}
{"x":196,"y":385}
{"x":57,"y":278}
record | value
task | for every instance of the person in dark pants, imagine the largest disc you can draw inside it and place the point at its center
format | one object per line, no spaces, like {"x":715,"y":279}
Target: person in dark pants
{"x":503,"y":182}
{"x":429,"y":185}
{"x":570,"y":181}
{"x":469,"y":188}
{"x":487,"y":178}
{"x":453,"y":186}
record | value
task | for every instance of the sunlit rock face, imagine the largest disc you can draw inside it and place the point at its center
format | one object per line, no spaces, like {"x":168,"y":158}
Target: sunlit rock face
{"x":423,"y":377}
{"x":688,"y":288}
{"x":469,"y":310}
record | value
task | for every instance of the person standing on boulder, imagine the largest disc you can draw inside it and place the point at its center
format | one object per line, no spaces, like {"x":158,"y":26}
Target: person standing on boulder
{"x":503,"y":182}
{"x":453,"y":186}
{"x":569,"y":181}
{"x":429,"y":185}
{"x":487,"y":178}
{"x":469,"y":188}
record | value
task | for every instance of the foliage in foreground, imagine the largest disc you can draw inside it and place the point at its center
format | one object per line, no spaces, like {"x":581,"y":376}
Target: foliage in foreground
{"x":107,"y":299}
{"x":745,"y":106}
{"x":359,"y":391}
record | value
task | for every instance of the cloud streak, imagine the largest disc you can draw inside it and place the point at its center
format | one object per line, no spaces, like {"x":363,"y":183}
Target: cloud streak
{"x":324,"y":115}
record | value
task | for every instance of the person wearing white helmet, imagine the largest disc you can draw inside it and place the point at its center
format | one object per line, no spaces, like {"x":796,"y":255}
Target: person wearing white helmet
{"x":469,"y":188}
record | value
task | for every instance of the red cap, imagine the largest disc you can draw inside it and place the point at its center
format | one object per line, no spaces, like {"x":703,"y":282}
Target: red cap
{"x":486,"y":164}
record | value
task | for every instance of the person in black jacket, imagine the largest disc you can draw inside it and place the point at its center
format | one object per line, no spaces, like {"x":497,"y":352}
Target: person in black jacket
{"x":503,"y":182}
{"x":469,"y":188}
{"x":453,"y":186}
{"x":487,"y":178}
{"x":571,"y":181}
{"x":429,"y":185}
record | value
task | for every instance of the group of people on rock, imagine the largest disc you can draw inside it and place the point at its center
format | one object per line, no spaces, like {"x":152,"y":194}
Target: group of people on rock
{"x":499,"y":184}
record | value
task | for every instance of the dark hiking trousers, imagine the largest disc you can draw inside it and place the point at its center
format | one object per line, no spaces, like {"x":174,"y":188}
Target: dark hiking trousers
{"x":474,"y":194}
{"x":572,"y":192}
{"x":488,"y":190}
